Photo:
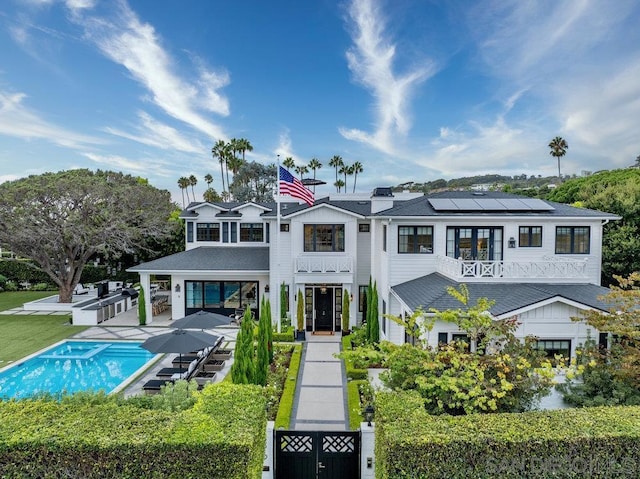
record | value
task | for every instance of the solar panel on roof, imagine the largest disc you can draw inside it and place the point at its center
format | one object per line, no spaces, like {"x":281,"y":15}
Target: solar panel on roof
{"x":490,"y":204}
{"x":537,"y":204}
{"x":442,"y":204}
{"x":513,"y":204}
{"x":466,"y":204}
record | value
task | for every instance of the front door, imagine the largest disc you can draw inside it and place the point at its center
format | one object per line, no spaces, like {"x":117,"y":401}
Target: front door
{"x":323,"y":299}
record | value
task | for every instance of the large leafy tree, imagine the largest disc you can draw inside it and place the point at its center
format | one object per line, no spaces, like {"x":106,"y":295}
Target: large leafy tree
{"x":60,"y":220}
{"x":558,"y":148}
{"x":617,"y":192}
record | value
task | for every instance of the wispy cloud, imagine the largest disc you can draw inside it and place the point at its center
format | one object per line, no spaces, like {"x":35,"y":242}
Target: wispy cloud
{"x":285,"y":147}
{"x":152,"y":132}
{"x":371,"y":61}
{"x":567,"y":56}
{"x":128,"y":41}
{"x":19,"y":121}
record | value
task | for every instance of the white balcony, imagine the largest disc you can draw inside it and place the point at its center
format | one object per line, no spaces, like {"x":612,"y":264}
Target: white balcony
{"x":548,"y":269}
{"x":324,"y":264}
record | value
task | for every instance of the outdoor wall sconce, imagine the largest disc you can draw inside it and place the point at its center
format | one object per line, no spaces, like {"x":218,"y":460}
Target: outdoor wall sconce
{"x":266,"y":288}
{"x":323,"y":289}
{"x":512,"y":242}
{"x":368,"y":414}
{"x":177,"y":288}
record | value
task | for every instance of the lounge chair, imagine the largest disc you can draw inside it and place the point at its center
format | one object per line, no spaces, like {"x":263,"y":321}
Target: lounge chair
{"x":212,"y":365}
{"x":153,"y":385}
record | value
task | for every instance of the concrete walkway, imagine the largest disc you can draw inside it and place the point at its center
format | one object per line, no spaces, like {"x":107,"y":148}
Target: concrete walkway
{"x":321,"y":401}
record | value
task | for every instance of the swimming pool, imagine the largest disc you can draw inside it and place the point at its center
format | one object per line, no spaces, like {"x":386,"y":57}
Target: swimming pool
{"x":75,"y":366}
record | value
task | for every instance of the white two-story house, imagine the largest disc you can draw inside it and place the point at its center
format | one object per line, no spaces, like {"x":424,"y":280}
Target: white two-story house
{"x":539,"y":261}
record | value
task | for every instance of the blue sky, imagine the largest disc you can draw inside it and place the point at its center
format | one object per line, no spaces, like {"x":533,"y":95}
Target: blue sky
{"x":413,"y":89}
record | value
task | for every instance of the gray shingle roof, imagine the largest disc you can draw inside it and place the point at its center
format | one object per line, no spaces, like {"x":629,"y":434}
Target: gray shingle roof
{"x":431,"y":292}
{"x":211,"y":258}
{"x":421,"y":207}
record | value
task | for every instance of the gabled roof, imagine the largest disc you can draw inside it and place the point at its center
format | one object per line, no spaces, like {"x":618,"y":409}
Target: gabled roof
{"x":431,"y":292}
{"x":210,"y":258}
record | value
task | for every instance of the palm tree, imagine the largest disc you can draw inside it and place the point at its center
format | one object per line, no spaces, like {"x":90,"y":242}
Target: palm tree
{"x":315,"y":164}
{"x":357,"y":168}
{"x":244,"y":146}
{"x":301,"y":170}
{"x":193,"y":181}
{"x":336,"y":162}
{"x":218,"y":151}
{"x":183,"y":183}
{"x":339,"y":184}
{"x":559,"y":148}
{"x":289,"y":163}
{"x":208,"y":179}
{"x":344,"y":170}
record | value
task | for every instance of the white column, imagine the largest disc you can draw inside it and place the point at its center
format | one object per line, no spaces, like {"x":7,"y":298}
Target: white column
{"x":145,"y":284}
{"x":367,"y":457}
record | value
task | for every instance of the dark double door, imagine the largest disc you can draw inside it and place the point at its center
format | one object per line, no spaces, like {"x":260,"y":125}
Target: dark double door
{"x":317,"y":454}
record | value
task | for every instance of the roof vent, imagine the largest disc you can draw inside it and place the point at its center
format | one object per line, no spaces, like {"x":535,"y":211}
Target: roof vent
{"x":386,"y":191}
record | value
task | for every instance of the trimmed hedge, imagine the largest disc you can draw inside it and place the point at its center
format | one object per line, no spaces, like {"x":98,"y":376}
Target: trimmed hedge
{"x":285,"y":408}
{"x":222,"y":436}
{"x":285,"y":336}
{"x":352,"y":372}
{"x":353,"y":400}
{"x":589,"y":442}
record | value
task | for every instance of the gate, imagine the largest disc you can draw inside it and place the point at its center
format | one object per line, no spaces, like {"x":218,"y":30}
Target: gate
{"x":317,"y":454}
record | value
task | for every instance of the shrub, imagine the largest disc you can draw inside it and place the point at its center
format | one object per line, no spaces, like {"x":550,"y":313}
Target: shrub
{"x":42,"y":287}
{"x":283,"y":419}
{"x":286,"y":334}
{"x":589,"y":442}
{"x":10,"y":286}
{"x":222,"y":436}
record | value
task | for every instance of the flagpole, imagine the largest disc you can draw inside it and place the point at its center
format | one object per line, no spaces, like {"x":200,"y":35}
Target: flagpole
{"x":277,"y":269}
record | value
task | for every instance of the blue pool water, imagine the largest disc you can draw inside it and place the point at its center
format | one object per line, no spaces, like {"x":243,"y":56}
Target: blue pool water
{"x":74,"y":366}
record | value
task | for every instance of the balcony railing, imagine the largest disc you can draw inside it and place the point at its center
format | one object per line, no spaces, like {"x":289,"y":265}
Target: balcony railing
{"x":546,"y":269}
{"x":324,"y":264}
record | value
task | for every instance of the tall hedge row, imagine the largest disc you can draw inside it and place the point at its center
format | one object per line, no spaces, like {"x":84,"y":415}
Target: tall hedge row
{"x":22,"y":270}
{"x":569,"y":443}
{"x":222,"y":436}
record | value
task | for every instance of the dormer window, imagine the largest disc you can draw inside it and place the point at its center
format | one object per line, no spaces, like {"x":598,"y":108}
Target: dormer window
{"x":208,"y":231}
{"x":252,"y":232}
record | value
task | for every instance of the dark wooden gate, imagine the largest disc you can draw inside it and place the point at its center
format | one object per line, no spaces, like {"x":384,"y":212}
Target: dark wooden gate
{"x":317,"y":454}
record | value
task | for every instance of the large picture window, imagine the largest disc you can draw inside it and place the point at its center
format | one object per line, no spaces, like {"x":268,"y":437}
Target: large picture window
{"x":208,"y":231}
{"x":221,"y":296}
{"x":415,"y":239}
{"x":252,"y":232}
{"x":572,"y":239}
{"x":324,"y":238}
{"x":530,"y":236}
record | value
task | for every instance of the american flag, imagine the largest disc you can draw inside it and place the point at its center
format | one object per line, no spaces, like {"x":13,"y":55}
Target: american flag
{"x":289,"y":185}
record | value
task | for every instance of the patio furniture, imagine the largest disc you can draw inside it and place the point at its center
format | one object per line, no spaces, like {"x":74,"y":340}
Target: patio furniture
{"x":222,"y":354}
{"x":213,"y":365}
{"x":201,"y":320}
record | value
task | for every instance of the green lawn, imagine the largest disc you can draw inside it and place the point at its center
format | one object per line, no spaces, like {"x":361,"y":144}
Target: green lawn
{"x":10,"y":299}
{"x":25,"y":334}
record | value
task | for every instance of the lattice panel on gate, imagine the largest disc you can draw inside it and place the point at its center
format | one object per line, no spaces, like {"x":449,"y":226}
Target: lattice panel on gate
{"x":339,"y":443}
{"x":296,"y":443}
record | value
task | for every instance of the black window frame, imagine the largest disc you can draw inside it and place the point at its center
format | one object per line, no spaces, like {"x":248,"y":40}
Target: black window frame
{"x":189,"y":231}
{"x":205,"y":232}
{"x":284,"y":227}
{"x":550,"y":353}
{"x":364,"y":228}
{"x":417,"y":248}
{"x":252,"y":233}
{"x":362,"y":296}
{"x":337,"y":241}
{"x":572,"y":239}
{"x":529,"y":235}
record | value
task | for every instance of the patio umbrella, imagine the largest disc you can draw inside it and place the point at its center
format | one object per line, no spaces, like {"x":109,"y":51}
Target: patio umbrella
{"x":201,"y":320}
{"x":180,"y":341}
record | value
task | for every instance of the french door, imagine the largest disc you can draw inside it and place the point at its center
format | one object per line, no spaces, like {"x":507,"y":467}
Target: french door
{"x":474,"y":243}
